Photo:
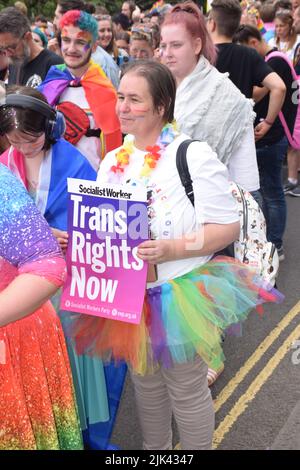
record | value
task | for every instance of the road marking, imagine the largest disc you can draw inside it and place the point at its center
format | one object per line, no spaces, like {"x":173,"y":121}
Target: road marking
{"x":228,"y":390}
{"x":243,"y":402}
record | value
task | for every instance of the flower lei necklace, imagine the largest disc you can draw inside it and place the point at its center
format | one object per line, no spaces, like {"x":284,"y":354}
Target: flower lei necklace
{"x":168,"y":134}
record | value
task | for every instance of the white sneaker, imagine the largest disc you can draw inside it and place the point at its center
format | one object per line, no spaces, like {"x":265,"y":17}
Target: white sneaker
{"x":280,"y":252}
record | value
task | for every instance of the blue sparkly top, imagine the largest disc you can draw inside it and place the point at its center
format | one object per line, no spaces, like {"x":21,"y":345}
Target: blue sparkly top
{"x":25,"y":236}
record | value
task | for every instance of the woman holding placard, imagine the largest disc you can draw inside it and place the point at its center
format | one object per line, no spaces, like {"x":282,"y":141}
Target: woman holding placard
{"x":193,"y":298}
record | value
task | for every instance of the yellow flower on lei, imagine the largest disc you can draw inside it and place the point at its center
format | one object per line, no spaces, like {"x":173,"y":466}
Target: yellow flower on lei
{"x":153,"y":152}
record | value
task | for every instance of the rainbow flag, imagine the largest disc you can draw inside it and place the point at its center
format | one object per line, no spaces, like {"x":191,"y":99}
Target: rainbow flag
{"x":261,"y":26}
{"x":100,"y":94}
{"x":259,"y":22}
{"x":157,"y":6}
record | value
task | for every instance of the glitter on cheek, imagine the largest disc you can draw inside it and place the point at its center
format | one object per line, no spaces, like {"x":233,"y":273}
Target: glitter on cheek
{"x":87,"y":47}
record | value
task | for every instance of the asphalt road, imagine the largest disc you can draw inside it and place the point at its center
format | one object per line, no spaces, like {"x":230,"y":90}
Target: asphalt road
{"x":258,"y":395}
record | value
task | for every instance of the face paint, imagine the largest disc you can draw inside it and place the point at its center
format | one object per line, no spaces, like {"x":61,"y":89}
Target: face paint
{"x":135,"y":107}
{"x":87,"y":47}
{"x":80,"y":39}
{"x":85,"y":35}
{"x":76,"y":47}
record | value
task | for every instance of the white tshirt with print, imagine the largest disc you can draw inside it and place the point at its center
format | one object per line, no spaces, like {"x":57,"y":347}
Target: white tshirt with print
{"x":172,"y":214}
{"x":90,"y":147}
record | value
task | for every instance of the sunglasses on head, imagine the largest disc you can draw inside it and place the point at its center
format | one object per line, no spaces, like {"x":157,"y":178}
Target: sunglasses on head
{"x":103,"y":17}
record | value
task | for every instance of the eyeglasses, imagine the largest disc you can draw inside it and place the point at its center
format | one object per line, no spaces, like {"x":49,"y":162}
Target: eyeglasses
{"x":284,"y":11}
{"x":103,"y":17}
{"x":11,"y":47}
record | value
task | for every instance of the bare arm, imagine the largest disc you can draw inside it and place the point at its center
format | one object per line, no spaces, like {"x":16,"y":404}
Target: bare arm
{"x":212,"y":238}
{"x":259,"y":93}
{"x":25,"y":294}
{"x":277,"y":95}
{"x":62,"y":238}
{"x":277,"y":91}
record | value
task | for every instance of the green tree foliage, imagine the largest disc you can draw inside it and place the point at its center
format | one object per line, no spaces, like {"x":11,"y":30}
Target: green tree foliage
{"x":47,"y":7}
{"x":6,"y":3}
{"x":112,"y":6}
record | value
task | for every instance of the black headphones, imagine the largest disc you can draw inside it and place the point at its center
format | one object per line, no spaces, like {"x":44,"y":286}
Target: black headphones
{"x":55,"y":121}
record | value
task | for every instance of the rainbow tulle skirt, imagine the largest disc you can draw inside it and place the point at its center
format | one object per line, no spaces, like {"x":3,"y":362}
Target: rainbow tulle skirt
{"x":181,"y":318}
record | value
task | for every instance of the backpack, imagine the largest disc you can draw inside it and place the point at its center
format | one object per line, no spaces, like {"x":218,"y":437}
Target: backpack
{"x":292,"y":130}
{"x":252,"y":247}
{"x":77,"y":122}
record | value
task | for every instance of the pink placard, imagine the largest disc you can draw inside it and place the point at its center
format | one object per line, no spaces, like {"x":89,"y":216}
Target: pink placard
{"x":106,"y":223}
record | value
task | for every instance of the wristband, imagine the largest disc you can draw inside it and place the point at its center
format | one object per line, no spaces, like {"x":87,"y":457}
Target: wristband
{"x":268,"y":122}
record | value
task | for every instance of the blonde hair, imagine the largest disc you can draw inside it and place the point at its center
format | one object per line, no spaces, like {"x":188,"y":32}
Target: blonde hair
{"x":21,"y":7}
{"x":287,"y":18}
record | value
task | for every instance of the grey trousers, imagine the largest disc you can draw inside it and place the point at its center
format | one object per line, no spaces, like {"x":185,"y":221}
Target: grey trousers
{"x":183,"y":391}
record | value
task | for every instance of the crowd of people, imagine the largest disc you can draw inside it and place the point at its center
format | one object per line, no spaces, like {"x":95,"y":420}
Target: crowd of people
{"x":112,"y":99}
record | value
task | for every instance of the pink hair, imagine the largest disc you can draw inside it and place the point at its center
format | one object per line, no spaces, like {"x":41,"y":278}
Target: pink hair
{"x":189,"y":15}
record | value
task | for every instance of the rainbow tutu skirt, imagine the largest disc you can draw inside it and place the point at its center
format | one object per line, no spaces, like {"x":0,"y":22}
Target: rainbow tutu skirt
{"x":181,"y":318}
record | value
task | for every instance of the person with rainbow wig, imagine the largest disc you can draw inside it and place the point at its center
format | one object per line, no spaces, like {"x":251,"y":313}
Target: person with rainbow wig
{"x":83,"y":83}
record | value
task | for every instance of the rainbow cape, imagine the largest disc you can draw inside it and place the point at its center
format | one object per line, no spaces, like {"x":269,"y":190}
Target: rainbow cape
{"x":100,"y":95}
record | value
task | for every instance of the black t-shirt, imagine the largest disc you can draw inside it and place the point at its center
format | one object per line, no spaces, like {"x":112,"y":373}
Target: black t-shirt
{"x":289,"y":108}
{"x":34,"y":72}
{"x":245,"y":66}
{"x":296,"y":59}
{"x":3,"y":74}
